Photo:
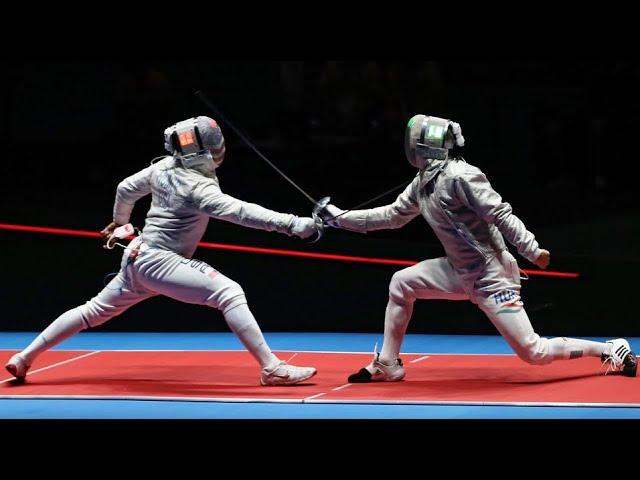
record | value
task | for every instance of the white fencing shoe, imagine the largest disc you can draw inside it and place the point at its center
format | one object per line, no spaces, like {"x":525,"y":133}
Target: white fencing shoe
{"x":284,"y":374}
{"x":17,"y":367}
{"x":621,"y":358}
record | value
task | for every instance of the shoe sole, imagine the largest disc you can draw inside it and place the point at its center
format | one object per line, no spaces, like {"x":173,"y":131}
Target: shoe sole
{"x":382,"y":380}
{"x":388,"y":379}
{"x":373,"y":379}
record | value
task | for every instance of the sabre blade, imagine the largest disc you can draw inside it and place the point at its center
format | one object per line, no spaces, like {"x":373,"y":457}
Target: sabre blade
{"x":360,"y":205}
{"x":220,"y":115}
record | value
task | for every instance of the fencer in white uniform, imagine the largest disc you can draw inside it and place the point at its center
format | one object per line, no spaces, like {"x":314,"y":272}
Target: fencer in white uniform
{"x":471,"y":221}
{"x":185,"y":193}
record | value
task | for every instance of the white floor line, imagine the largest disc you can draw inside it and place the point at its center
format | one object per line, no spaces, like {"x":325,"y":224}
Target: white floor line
{"x":292,"y":356}
{"x":340,"y":388}
{"x":314,"y":396}
{"x":419,"y":359}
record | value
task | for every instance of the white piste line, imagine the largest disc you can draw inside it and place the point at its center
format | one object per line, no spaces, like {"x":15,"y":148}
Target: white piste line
{"x":56,"y":364}
{"x":419,"y":359}
{"x":314,"y":396}
{"x":341,"y":387}
{"x":324,"y":393}
{"x":292,"y":356}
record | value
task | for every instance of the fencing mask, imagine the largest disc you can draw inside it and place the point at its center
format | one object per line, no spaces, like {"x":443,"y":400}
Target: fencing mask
{"x":197,"y":142}
{"x":430,"y":138}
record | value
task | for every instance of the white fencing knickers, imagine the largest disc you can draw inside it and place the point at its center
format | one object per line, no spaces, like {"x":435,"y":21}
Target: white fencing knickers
{"x":436,"y":279}
{"x":147,"y":272}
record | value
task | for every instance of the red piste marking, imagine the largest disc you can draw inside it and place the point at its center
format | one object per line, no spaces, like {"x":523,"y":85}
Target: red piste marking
{"x":269,"y":251}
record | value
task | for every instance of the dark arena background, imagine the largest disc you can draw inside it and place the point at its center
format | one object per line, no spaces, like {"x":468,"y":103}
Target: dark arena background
{"x":555,"y":138}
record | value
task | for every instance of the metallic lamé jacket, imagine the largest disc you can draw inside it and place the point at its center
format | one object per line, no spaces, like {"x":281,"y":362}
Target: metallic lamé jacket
{"x":467,"y":215}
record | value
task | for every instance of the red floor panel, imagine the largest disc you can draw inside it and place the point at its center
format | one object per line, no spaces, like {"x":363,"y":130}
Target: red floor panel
{"x":160,"y":374}
{"x":500,"y":379}
{"x":198,"y":375}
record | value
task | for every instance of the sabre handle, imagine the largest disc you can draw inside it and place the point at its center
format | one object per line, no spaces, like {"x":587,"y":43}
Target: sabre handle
{"x":318,"y":214}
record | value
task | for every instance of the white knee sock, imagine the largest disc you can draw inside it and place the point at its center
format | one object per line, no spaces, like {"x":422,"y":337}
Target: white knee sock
{"x":562,"y":348}
{"x":65,"y":326}
{"x":396,"y":321}
{"x":242,"y":322}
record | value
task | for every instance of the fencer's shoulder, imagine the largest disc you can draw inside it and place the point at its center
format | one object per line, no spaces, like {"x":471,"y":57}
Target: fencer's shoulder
{"x":164,"y":163}
{"x":462,"y":169}
{"x":205,"y":186}
{"x":162,"y":166}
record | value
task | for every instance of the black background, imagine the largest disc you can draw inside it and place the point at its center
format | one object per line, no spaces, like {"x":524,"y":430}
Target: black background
{"x":556,"y":139}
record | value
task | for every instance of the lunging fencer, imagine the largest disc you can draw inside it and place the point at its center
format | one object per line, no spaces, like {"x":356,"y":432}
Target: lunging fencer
{"x":185,"y":193}
{"x":471,"y":221}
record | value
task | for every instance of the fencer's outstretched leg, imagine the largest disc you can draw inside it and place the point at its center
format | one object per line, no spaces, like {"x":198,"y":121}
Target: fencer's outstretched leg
{"x":114,"y":299}
{"x":506,"y":311}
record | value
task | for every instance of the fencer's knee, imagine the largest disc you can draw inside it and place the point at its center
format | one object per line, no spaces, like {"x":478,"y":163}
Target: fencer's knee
{"x":534,"y":350}
{"x":95,"y":313}
{"x":400,"y":290}
{"x":232,"y":296}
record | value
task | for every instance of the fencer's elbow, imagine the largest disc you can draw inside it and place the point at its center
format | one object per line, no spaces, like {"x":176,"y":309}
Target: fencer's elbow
{"x":394,"y":219}
{"x":398,"y":221}
{"x":122,"y":188}
{"x":498,"y":216}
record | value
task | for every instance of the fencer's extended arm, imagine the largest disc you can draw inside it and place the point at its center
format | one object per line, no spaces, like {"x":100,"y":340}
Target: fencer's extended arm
{"x":210,"y":199}
{"x":475,"y":191}
{"x":395,"y":215}
{"x":129,"y":191}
